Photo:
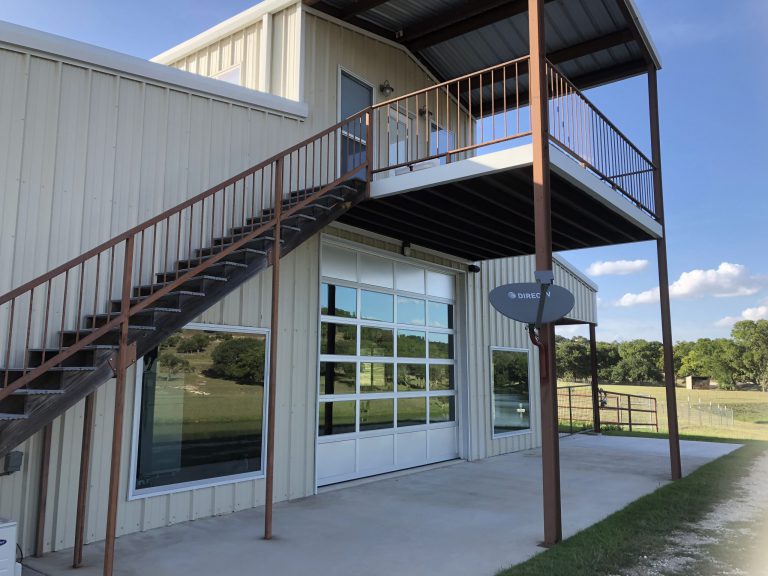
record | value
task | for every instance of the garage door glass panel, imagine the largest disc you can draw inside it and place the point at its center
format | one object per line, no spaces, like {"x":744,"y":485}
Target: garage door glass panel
{"x":440,"y":346}
{"x":440,"y":315}
{"x":338,"y":339}
{"x":376,"y":414}
{"x":337,"y":377}
{"x":336,"y":418}
{"x":442,"y":409}
{"x":411,"y":377}
{"x":411,"y":344}
{"x":376,"y":306}
{"x":411,"y":411}
{"x":376,"y":341}
{"x":440,"y":377}
{"x":338,"y":301}
{"x":411,"y":311}
{"x":376,"y":377}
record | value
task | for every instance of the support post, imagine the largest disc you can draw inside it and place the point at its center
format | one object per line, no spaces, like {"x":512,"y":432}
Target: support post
{"x":117,"y":428}
{"x":274,"y":334}
{"x":85,"y":469}
{"x":550,"y":441}
{"x":661,"y":252}
{"x":595,"y":381}
{"x":42,"y":497}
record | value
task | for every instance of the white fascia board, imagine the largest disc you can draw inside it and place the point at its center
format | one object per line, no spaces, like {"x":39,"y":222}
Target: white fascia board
{"x":60,"y":48}
{"x":516,"y":157}
{"x":569,"y":169}
{"x":575,"y":271}
{"x":644,"y":33}
{"x":242,"y":20}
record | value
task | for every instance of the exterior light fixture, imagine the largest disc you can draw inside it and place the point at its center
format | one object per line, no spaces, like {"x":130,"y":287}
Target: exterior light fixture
{"x":473,"y":268}
{"x":386,"y":88}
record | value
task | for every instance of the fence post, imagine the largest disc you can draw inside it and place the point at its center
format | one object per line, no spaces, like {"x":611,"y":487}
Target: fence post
{"x":570,"y":408}
{"x":629,"y":408}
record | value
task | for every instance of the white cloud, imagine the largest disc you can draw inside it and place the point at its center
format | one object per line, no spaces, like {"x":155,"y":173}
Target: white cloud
{"x":756,"y":313}
{"x":616,"y":267}
{"x":724,"y":281}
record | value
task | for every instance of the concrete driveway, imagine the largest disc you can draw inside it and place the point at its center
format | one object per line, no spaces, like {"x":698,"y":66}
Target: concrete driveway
{"x":459,"y":519}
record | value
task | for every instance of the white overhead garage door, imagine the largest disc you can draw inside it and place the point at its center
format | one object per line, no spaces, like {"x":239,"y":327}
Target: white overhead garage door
{"x":387,"y":397}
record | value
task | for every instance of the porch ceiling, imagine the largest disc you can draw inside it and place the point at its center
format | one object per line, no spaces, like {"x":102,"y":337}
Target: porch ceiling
{"x":491,"y":216}
{"x":592,"y":41}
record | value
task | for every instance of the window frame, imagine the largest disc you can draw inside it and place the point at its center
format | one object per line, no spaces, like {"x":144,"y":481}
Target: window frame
{"x":141,"y":493}
{"x":530,"y":429}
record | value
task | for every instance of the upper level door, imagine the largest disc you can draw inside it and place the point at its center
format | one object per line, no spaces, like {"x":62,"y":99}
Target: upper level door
{"x":355,"y":95}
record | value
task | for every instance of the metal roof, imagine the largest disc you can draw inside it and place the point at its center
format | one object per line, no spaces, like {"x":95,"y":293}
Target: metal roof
{"x":592,"y":41}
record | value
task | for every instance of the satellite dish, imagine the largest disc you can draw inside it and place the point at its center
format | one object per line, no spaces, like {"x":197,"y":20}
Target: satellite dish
{"x":521,"y":302}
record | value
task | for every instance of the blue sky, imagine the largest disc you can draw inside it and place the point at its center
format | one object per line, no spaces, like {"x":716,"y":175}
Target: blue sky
{"x":714,"y":109}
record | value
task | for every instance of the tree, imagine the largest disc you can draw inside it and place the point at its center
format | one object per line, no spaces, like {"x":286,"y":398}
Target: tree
{"x":752,"y":337}
{"x":607,"y":359}
{"x":239,"y":359}
{"x":720,"y":359}
{"x":173,"y":364}
{"x":639,"y":362}
{"x":573,"y":358}
{"x":194,"y":343}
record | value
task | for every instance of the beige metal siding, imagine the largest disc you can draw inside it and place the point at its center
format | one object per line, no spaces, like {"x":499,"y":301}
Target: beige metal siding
{"x":91,"y":153}
{"x":275,"y":70}
{"x":295,"y":432}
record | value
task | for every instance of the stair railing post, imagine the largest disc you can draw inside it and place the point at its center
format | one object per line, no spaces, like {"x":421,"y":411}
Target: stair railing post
{"x":368,"y":151}
{"x":85,"y":468}
{"x":123,"y":361}
{"x":274,"y":335}
{"x":42,"y":497}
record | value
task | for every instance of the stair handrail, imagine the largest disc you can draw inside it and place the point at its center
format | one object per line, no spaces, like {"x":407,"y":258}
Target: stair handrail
{"x":319,"y":175}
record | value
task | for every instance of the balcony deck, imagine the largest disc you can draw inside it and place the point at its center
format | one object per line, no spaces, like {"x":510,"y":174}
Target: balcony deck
{"x":451,"y":168}
{"x":482,"y":207}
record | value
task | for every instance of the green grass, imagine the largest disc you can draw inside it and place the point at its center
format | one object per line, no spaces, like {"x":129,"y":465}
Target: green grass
{"x":642,"y":527}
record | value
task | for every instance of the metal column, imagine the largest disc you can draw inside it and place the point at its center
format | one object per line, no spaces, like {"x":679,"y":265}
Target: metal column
{"x":550,"y":441}
{"x":595,"y":382}
{"x":42,"y":496}
{"x":123,"y":361}
{"x":661,"y":251}
{"x":270,"y":468}
{"x":82,"y":491}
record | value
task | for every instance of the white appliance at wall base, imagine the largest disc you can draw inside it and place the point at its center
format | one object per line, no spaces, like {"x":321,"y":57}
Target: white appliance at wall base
{"x":8,"y":565}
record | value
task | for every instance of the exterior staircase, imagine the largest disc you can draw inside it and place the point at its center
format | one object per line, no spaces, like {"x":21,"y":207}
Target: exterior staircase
{"x":138,"y":288}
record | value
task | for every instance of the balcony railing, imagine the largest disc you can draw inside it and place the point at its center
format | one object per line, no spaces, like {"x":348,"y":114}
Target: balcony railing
{"x":486,"y":110}
{"x":580,"y":129}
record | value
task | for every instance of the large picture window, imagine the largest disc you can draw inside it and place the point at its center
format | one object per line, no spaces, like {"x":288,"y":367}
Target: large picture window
{"x":200,"y":405}
{"x":510,"y":383}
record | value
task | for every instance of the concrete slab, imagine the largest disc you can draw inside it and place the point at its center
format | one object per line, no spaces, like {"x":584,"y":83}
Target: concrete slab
{"x":467,"y":518}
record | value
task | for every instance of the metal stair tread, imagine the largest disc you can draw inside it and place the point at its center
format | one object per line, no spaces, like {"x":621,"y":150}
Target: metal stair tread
{"x":37,"y":392}
{"x":6,"y":416}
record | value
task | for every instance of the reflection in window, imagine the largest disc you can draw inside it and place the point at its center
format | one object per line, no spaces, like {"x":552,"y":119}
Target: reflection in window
{"x":511,"y":404}
{"x":376,"y":377}
{"x":410,"y":311}
{"x":337,"y":377}
{"x":377,"y":306}
{"x":440,"y":377}
{"x":376,"y":341}
{"x":440,"y":346}
{"x":376,"y":414}
{"x":336,"y":418}
{"x":202,"y":404}
{"x":411,"y":377}
{"x":411,"y":411}
{"x":440,"y":315}
{"x":338,"y":301}
{"x":411,"y":344}
{"x":338,"y":339}
{"x":442,"y":409}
